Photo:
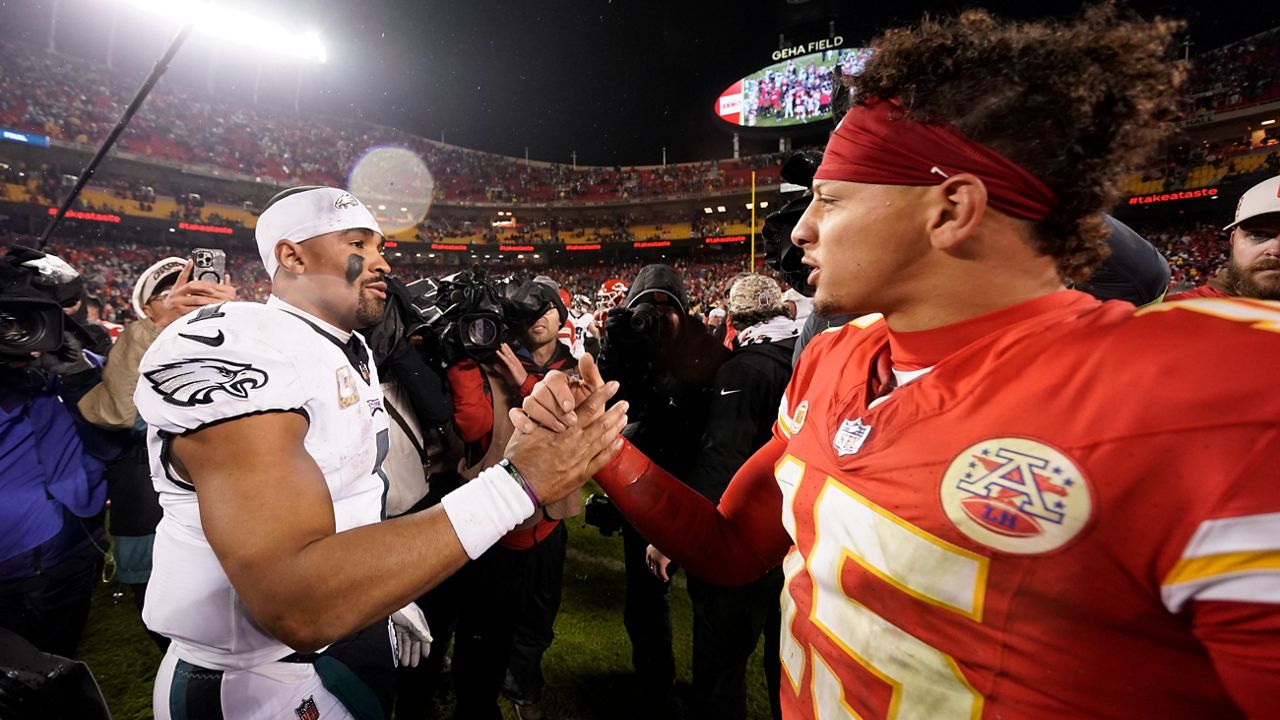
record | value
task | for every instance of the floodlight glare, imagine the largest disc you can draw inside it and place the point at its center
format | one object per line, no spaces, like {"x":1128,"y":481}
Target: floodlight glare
{"x":238,"y":27}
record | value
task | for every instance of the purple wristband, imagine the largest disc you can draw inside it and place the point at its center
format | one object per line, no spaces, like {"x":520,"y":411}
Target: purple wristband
{"x":515,"y":475}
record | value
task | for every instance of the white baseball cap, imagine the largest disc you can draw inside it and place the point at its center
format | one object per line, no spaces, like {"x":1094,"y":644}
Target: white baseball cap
{"x":1261,"y":199}
{"x":152,"y":278}
{"x":308,"y":213}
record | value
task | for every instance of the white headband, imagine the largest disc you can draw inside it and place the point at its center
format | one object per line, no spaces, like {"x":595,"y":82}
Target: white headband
{"x":307,"y":214}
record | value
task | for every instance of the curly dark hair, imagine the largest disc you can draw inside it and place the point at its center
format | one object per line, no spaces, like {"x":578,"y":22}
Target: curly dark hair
{"x":742,"y":321}
{"x":1077,"y":103}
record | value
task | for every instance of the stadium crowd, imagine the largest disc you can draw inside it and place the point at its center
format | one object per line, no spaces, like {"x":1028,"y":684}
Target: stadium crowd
{"x":1194,"y":251}
{"x":70,"y":99}
{"x":1245,"y":72}
{"x":680,"y":336}
{"x":111,"y":270}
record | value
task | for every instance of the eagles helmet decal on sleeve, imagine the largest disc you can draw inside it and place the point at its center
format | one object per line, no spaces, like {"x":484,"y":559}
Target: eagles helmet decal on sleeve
{"x":196,"y":381}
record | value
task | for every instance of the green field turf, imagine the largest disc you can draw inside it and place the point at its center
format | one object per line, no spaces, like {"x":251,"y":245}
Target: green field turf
{"x":588,"y":668}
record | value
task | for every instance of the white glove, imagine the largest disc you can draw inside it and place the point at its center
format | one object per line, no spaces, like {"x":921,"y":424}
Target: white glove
{"x":413,"y":637}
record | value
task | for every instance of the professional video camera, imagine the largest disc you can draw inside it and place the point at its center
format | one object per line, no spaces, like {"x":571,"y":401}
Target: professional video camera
{"x":779,"y":253}
{"x":469,"y":313}
{"x":639,"y":326}
{"x":34,"y":287}
{"x":29,"y":324}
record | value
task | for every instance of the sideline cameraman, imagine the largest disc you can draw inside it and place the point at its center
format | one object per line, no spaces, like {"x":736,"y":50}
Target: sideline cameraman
{"x":421,"y":465}
{"x":728,"y":621}
{"x":51,"y":462}
{"x":161,"y":296}
{"x":664,"y":359}
{"x":509,"y":596}
{"x":274,"y":413}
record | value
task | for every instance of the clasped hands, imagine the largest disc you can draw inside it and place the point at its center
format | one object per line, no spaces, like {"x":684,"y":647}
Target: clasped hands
{"x":563,"y":434}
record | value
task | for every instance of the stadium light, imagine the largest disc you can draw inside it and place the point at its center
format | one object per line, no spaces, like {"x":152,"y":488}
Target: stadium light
{"x":764,"y":204}
{"x":1268,"y":122}
{"x":719,"y":208}
{"x":707,"y":210}
{"x":238,"y":27}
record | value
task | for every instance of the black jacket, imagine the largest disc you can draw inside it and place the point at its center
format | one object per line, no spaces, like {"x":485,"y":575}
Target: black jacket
{"x":668,"y":384}
{"x":744,"y":401}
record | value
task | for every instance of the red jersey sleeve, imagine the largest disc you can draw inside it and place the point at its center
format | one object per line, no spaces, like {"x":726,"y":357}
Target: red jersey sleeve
{"x":526,"y":388}
{"x":1243,"y":640}
{"x":730,"y":544}
{"x":472,"y":406}
{"x":1227,"y":576}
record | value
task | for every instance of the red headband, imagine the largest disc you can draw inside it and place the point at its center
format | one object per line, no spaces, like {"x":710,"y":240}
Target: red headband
{"x":877,"y":144}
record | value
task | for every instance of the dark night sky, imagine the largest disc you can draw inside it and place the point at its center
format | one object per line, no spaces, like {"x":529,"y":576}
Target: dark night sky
{"x":615,"y":80}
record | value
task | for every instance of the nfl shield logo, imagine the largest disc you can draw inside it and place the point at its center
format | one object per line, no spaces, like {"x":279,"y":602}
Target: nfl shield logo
{"x":308,"y":710}
{"x":850,"y":436}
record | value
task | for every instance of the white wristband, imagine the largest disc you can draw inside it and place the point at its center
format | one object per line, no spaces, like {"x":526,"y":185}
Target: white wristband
{"x":485,"y":509}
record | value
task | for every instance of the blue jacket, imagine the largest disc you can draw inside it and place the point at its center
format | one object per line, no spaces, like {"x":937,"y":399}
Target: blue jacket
{"x":51,"y":472}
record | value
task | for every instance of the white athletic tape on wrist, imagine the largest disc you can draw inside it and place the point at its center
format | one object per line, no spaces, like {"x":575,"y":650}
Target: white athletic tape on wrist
{"x":485,"y":509}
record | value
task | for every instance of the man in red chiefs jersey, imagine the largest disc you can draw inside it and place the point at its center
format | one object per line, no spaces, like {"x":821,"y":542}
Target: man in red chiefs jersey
{"x":999,"y":498}
{"x":1254,"y":268}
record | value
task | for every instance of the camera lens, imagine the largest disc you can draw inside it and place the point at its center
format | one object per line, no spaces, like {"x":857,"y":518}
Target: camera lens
{"x":641,"y":324}
{"x":17,"y":331}
{"x":482,"y":331}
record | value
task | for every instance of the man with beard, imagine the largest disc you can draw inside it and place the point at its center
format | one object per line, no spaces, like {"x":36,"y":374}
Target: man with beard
{"x":272,"y":574}
{"x":1000,"y":498}
{"x":1253,"y":270}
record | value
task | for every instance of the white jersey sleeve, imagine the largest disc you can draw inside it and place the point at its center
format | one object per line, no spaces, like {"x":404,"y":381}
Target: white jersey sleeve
{"x":217,"y":364}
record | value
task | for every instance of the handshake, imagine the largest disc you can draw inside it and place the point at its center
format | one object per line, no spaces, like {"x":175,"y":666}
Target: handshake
{"x":563,"y":434}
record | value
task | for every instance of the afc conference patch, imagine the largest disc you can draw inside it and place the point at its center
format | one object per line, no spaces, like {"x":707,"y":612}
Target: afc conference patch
{"x":1016,"y":495}
{"x":850,"y":437}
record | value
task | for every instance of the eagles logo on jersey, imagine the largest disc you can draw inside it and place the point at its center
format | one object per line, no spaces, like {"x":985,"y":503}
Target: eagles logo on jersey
{"x":187,"y":383}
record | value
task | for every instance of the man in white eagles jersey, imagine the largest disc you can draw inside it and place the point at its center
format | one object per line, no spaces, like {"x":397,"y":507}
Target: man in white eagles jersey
{"x":266,"y":436}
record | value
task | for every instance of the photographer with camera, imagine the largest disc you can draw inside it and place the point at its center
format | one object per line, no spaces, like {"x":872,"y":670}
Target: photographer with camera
{"x":275,"y":576}
{"x":51,"y":460}
{"x":508,"y":598}
{"x":422,"y":459}
{"x":728,"y":621}
{"x":163,"y":293}
{"x":665,"y":360}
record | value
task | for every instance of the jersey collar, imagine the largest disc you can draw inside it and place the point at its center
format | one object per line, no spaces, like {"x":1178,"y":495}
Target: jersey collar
{"x":275,"y":302}
{"x":925,"y":348}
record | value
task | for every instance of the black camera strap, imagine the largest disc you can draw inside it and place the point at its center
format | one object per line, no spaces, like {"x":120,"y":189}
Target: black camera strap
{"x":404,"y":425}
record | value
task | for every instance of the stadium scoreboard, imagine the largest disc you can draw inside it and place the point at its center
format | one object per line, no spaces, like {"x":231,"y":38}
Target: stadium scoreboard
{"x":797,"y":90}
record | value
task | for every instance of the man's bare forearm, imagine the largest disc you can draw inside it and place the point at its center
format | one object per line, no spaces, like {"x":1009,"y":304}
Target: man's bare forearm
{"x":341,"y":583}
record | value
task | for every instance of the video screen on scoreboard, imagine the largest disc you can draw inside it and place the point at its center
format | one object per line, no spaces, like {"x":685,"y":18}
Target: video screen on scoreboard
{"x":791,"y":92}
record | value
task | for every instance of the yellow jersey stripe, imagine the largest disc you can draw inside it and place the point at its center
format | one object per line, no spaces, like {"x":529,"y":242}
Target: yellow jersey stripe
{"x":1199,"y":568}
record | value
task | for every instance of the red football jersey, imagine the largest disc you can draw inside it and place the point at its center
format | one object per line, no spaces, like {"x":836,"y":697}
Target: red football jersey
{"x":1071,"y":515}
{"x":1202,"y":291}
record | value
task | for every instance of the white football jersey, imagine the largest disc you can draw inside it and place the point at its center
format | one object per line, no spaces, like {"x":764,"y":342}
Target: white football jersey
{"x":228,"y":361}
{"x":576,"y":336}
